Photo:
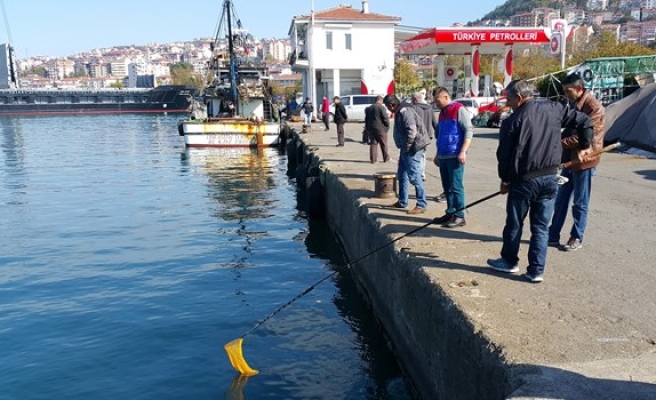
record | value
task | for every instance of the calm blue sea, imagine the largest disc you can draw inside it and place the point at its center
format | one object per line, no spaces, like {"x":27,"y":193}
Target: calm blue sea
{"x":126,"y":263}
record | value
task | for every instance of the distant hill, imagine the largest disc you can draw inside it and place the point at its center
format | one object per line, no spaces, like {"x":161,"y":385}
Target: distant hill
{"x":512,"y":7}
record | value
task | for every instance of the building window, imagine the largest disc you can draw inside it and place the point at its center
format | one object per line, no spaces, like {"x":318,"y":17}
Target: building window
{"x":329,"y":40}
{"x":348,"y":45}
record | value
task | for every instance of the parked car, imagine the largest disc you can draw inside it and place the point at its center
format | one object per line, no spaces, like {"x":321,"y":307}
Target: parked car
{"x":494,"y":106}
{"x":355,"y":105}
{"x":470,"y":104}
{"x":496,"y":118}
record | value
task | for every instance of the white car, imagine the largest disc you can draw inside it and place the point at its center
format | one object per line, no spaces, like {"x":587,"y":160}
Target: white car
{"x":355,"y":104}
{"x":470,"y":104}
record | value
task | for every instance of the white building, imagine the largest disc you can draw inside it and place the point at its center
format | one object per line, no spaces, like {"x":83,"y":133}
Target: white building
{"x":597,"y":4}
{"x":60,"y":68}
{"x":279,"y":49}
{"x":648,"y":4}
{"x":343,"y":51}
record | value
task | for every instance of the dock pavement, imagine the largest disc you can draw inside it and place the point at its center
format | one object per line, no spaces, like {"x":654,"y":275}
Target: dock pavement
{"x":589,"y":330}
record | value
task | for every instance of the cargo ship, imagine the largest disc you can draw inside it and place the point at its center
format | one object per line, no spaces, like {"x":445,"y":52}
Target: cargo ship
{"x":28,"y":101}
{"x":169,"y":99}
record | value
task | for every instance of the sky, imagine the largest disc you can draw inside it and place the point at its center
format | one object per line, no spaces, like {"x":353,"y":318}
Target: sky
{"x":62,"y":28}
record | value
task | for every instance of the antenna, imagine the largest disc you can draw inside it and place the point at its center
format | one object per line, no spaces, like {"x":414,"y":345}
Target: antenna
{"x":4,"y":14}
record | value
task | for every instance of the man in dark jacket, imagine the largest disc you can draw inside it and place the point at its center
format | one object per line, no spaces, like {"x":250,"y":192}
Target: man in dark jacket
{"x":340,"y":119}
{"x":411,"y":138}
{"x":580,"y":175}
{"x":528,"y":155}
{"x":376,"y":123}
{"x":308,"y":109}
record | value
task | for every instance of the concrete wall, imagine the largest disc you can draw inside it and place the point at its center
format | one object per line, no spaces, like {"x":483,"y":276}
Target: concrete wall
{"x":435,"y":344}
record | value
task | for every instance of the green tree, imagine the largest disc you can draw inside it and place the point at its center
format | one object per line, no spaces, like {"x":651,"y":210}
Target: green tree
{"x":40,"y":70}
{"x":116,"y":85}
{"x":534,"y":63}
{"x":405,"y":77}
{"x":183,"y":74}
{"x":607,"y":45}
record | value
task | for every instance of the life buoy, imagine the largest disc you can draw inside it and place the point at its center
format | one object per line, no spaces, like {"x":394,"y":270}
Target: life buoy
{"x":587,"y":75}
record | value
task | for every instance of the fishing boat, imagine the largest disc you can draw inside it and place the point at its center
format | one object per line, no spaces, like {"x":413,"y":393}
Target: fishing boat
{"x":235,"y":107}
{"x":15,"y":100}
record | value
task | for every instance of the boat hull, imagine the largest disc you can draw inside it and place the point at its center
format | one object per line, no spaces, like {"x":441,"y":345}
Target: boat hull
{"x":229,"y":132}
{"x":163,"y":99}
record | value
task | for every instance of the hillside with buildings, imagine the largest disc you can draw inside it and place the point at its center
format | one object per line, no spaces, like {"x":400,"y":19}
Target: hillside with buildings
{"x":139,"y":66}
{"x":631,"y":20}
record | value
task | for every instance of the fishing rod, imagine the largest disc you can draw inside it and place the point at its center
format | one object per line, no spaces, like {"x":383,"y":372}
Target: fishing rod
{"x":234,"y":347}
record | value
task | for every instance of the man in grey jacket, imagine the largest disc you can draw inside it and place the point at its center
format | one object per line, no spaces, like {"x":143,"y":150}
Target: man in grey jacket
{"x":411,"y":138}
{"x":428,"y":117}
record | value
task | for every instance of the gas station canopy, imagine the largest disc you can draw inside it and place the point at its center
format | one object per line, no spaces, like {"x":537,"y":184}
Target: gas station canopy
{"x":476,"y":41}
{"x":459,"y":41}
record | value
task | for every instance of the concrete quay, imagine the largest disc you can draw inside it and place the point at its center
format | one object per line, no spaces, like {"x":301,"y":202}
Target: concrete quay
{"x":463,"y":331}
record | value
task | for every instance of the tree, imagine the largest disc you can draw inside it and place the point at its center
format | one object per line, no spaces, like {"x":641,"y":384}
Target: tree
{"x":607,"y":45}
{"x":183,"y":74}
{"x":534,"y":63}
{"x":405,"y":77}
{"x":116,"y":85}
{"x":40,"y":70}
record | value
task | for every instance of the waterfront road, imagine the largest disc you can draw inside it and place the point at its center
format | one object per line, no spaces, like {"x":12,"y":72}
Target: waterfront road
{"x":591,"y":324}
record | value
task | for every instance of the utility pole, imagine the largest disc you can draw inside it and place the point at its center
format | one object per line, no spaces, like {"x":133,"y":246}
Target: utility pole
{"x":313,"y":79}
{"x":640,"y":34}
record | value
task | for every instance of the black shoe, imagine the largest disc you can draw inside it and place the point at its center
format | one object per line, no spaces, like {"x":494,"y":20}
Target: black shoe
{"x":455,"y":222}
{"x":440,"y":198}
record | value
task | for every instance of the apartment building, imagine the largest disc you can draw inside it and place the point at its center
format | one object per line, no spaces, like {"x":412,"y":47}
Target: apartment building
{"x":60,"y":68}
{"x":278,"y":49}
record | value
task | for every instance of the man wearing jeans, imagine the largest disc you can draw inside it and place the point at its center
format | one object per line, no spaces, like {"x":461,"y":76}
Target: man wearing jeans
{"x":411,"y":138}
{"x":454,"y":133}
{"x":579,"y":174}
{"x":528,"y":156}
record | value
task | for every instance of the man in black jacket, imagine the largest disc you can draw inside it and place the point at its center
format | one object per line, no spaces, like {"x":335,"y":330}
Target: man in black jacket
{"x":340,"y":118}
{"x":376,"y":123}
{"x":528,"y":155}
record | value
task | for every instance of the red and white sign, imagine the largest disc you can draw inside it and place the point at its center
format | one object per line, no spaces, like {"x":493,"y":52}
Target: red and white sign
{"x":450,"y":72}
{"x":558,"y":25}
{"x":476,"y":62}
{"x":530,"y":35}
{"x":556,"y":43}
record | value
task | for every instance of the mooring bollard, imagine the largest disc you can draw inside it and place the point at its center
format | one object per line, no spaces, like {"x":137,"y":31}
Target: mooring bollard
{"x":385,"y":184}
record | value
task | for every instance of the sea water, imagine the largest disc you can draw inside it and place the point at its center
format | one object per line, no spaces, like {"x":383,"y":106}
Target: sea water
{"x":127,"y":262}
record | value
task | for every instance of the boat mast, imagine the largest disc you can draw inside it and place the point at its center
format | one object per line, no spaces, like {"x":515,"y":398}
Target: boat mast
{"x":233,"y":59}
{"x":11,"y":60}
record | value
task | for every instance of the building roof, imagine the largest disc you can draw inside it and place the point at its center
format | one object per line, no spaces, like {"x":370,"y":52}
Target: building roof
{"x":347,"y":13}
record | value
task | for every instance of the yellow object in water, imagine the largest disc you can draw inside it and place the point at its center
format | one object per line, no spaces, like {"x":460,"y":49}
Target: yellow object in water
{"x":236,"y":357}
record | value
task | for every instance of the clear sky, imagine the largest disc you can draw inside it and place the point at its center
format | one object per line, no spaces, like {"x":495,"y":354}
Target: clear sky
{"x":61,"y":28}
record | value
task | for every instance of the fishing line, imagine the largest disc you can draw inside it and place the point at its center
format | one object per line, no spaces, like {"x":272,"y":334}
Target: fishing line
{"x":234,"y":347}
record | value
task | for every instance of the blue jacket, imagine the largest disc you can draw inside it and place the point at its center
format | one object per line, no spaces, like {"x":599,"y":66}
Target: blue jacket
{"x":450,"y":134}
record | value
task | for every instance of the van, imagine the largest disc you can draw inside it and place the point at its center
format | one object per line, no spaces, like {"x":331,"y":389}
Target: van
{"x":355,"y":104}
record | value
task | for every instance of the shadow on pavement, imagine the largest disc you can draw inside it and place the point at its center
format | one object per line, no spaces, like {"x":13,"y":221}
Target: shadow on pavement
{"x":555,"y":383}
